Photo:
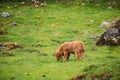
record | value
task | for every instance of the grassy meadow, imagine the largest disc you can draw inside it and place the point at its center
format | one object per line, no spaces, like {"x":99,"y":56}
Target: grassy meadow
{"x":43,"y":29}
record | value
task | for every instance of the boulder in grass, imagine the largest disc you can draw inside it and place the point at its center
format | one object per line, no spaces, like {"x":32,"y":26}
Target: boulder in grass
{"x":105,"y":24}
{"x":5,"y":14}
{"x":111,"y":36}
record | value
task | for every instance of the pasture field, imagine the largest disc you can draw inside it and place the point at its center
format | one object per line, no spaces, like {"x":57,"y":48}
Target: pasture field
{"x":42,"y":29}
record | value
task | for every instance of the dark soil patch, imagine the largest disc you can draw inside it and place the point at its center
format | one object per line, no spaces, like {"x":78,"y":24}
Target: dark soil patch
{"x":3,"y":62}
{"x":75,"y":31}
{"x":43,"y":75}
{"x":9,"y":45}
{"x":101,"y":76}
{"x":3,"y":32}
{"x":12,"y":23}
{"x":38,"y":45}
{"x":40,"y":53}
{"x":30,"y":50}
{"x":79,"y":77}
{"x":12,"y":78}
{"x":7,"y":53}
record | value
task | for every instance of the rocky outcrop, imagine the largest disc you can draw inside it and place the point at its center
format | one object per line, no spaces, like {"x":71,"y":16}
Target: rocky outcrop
{"x":111,"y":36}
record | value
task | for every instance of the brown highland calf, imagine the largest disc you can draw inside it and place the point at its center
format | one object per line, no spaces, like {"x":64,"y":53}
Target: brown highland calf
{"x":75,"y":47}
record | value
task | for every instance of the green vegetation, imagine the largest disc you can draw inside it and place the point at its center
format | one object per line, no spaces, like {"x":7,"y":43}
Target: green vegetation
{"x":42,"y":29}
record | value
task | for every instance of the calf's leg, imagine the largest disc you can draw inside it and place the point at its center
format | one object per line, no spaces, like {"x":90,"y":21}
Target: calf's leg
{"x":77,"y":54}
{"x":66,"y":56}
{"x":83,"y":56}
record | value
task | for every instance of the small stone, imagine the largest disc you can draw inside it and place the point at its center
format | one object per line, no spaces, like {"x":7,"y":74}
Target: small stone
{"x":83,"y":4}
{"x":86,"y":33}
{"x":105,"y":24}
{"x":93,"y":37}
{"x":91,"y":20}
{"x":109,"y":7}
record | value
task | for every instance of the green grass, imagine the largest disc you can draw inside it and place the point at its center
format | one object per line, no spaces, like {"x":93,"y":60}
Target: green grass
{"x":43,"y":29}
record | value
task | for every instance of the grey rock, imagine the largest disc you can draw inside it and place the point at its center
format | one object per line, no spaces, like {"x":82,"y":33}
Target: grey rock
{"x":105,"y":24}
{"x":5,"y":14}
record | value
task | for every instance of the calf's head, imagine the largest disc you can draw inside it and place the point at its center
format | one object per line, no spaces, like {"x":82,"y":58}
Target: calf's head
{"x":58,"y":55}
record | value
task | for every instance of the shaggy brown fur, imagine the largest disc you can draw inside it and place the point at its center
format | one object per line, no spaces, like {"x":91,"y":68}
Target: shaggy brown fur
{"x":75,"y":47}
